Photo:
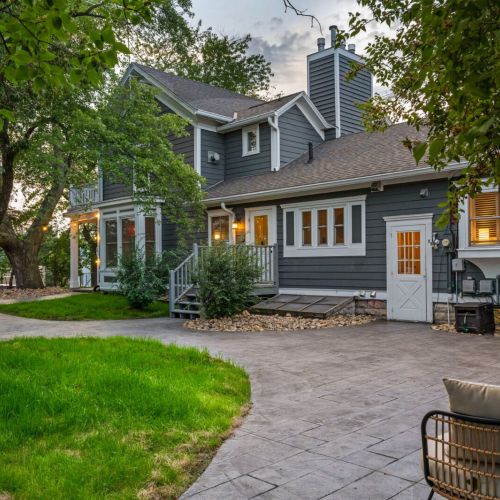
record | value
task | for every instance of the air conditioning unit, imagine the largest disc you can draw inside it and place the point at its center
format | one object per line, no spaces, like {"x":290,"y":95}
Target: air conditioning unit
{"x":376,"y":187}
{"x":213,"y":157}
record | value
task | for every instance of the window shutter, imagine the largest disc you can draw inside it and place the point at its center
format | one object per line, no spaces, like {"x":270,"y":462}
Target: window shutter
{"x":356,"y":224}
{"x":290,"y":228}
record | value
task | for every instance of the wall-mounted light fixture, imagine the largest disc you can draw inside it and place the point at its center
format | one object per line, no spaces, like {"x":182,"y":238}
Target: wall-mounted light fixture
{"x":234,"y":225}
{"x":424,"y":193}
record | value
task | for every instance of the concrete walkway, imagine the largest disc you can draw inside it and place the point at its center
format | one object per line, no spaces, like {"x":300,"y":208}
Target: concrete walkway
{"x":335,"y":412}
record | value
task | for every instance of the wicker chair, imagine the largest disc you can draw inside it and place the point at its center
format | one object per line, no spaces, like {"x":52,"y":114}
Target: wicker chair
{"x":461,"y":455}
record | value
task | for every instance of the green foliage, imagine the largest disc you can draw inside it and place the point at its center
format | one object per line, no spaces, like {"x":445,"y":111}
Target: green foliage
{"x":68,"y":42}
{"x":4,"y":266}
{"x":226,"y":279}
{"x":142,"y":282}
{"x":89,"y":418}
{"x":85,"y":306}
{"x":223,"y":61}
{"x":54,"y":256}
{"x":443,"y":66}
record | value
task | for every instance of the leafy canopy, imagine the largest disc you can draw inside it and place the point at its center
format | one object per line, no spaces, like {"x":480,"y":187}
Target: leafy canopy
{"x":443,"y":66}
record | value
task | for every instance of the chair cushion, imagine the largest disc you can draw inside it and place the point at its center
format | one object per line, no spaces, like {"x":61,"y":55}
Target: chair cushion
{"x":471,"y":441}
{"x":449,"y":475}
{"x":469,"y":398}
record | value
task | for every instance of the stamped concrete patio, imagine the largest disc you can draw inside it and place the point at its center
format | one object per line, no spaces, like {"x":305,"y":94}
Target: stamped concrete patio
{"x":335,"y":413}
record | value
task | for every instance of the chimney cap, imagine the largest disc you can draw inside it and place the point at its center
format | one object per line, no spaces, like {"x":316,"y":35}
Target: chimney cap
{"x":333,"y":27}
{"x":351,"y":47}
{"x":321,"y":44}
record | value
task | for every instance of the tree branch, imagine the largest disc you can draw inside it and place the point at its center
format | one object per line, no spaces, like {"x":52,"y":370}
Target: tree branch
{"x":289,"y":5}
{"x":88,"y":12}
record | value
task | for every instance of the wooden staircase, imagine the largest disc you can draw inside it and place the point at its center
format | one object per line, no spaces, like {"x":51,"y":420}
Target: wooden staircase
{"x":183,"y":294}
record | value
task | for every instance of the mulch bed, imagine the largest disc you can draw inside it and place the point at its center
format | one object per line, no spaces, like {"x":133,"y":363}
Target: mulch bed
{"x":14,"y":293}
{"x":247,"y":322}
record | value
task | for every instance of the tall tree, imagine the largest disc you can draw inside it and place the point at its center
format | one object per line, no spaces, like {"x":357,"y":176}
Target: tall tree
{"x":202,"y":55}
{"x":442,"y":64}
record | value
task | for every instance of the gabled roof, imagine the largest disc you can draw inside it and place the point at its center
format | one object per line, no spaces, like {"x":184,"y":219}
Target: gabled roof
{"x":200,"y":96}
{"x":264,"y":107}
{"x":344,"y":161}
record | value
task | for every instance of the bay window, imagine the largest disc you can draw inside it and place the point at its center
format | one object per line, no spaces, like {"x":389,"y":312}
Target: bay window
{"x":333,"y":227}
{"x":111,"y":243}
{"x":150,"y":238}
{"x":128,"y":237}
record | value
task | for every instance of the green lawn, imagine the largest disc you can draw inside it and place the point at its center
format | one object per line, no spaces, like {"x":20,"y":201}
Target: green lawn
{"x":84,"y":306}
{"x":111,"y":418}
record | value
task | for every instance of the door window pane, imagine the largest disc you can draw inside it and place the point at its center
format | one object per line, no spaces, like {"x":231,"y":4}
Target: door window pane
{"x":220,"y":229}
{"x":306,"y":228}
{"x":409,"y":252}
{"x":322,"y":227}
{"x":111,"y":243}
{"x":338,"y":227}
{"x":150,"y":239}
{"x":261,"y":227}
{"x":128,"y":238}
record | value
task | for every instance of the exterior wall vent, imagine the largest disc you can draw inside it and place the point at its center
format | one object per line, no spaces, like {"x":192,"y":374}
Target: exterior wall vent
{"x":376,"y":187}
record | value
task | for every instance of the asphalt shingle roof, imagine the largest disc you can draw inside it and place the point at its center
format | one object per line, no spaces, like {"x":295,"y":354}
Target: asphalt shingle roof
{"x":350,"y":157}
{"x":263,"y":108}
{"x":202,"y":96}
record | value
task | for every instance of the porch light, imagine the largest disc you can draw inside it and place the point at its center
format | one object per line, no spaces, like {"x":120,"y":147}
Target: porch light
{"x":234,"y":225}
{"x":98,"y":261}
{"x":484,"y":234}
{"x":45,"y":228}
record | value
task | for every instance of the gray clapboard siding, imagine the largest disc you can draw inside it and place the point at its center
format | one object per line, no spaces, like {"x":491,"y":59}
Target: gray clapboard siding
{"x":240,"y":166}
{"x":322,"y":88}
{"x":112,"y":189}
{"x":365,"y":272}
{"x":213,"y":172}
{"x":295,"y":134}
{"x":352,"y":92}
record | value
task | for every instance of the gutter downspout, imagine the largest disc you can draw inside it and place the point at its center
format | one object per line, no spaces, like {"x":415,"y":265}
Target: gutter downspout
{"x":275,"y":145}
{"x":232,"y":218}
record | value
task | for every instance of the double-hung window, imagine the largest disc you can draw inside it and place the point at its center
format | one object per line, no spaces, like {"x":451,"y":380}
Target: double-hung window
{"x":250,"y":140}
{"x":333,"y":227}
{"x":484,"y":219}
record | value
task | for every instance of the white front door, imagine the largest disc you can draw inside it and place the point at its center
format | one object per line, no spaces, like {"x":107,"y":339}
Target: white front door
{"x":261,"y":224}
{"x":409,"y":269}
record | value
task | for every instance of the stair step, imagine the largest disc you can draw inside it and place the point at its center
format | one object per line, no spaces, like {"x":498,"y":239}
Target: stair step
{"x":185,"y":311}
{"x":188,"y":303}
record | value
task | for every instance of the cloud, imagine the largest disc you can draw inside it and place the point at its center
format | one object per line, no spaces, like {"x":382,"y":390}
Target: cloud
{"x":287,"y":58}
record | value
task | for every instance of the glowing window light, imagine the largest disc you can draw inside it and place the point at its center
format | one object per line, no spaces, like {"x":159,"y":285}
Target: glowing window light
{"x":484,"y":234}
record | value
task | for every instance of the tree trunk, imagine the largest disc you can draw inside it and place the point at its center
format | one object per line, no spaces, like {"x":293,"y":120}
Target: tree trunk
{"x":24,"y":262}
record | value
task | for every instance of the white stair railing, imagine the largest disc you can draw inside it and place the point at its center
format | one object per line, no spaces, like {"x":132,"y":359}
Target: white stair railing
{"x":182,"y":279}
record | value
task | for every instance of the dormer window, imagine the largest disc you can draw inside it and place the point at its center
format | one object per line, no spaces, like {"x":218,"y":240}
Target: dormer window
{"x":250,"y":140}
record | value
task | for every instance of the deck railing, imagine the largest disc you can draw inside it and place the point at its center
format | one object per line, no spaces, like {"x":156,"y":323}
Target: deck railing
{"x":84,"y":195}
{"x":182,"y":278}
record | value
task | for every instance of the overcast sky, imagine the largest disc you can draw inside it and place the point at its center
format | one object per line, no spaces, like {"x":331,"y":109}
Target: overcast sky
{"x":283,"y":38}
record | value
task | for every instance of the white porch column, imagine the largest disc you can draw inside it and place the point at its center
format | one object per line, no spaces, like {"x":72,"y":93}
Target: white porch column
{"x":74,"y":280}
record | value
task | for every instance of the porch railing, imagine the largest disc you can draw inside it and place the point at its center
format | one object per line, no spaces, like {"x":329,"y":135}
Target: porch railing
{"x":84,"y":195}
{"x":182,"y":278}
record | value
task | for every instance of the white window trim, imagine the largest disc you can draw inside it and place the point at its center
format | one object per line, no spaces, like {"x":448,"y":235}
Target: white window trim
{"x":129,"y":212}
{"x":244,"y":140}
{"x":273,"y":226}
{"x":330,"y":250}
{"x":465,"y":249}
{"x":220,"y":213}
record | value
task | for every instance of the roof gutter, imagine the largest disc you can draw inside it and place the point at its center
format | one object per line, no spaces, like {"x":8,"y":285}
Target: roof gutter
{"x":213,"y":116}
{"x":334,"y":184}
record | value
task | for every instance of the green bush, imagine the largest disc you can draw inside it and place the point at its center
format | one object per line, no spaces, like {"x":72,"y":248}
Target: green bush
{"x":226,"y":278}
{"x":142,"y":282}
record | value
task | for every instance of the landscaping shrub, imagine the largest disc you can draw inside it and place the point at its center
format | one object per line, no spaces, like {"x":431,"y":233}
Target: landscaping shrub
{"x":144,"y":281}
{"x":226,"y":279}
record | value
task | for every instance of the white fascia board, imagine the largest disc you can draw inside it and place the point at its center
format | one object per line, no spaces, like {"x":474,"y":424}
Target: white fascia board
{"x":247,"y":121}
{"x":213,"y":116}
{"x":331,"y":50}
{"x":323,"y":203}
{"x":306,"y":104}
{"x":408,"y":176}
